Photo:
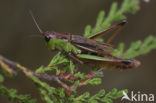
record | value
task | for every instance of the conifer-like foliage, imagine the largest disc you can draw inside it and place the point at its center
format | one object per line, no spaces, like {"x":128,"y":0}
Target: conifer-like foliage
{"x":66,"y":72}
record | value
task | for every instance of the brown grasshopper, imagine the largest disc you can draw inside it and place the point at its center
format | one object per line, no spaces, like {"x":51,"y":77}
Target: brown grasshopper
{"x":89,"y":49}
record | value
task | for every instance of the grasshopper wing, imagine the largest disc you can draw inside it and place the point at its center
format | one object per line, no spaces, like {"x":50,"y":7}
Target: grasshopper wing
{"x":91,"y":46}
{"x":120,"y":64}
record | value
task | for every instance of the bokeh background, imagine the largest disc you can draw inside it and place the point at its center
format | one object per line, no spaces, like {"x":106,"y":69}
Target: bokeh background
{"x":17,"y":42}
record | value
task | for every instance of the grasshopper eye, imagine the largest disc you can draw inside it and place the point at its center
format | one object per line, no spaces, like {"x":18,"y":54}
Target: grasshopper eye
{"x":47,"y":38}
{"x":48,"y":35}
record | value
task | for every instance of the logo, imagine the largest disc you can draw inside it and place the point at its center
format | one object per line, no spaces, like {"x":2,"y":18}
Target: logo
{"x":138,"y":97}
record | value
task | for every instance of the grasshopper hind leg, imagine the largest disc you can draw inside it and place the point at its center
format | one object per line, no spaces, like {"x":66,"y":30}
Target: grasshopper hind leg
{"x":74,"y":57}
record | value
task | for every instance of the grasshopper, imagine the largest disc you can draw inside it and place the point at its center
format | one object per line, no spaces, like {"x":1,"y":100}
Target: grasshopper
{"x":88,"y":50}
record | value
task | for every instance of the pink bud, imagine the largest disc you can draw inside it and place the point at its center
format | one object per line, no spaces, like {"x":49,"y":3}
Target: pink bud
{"x":147,"y":1}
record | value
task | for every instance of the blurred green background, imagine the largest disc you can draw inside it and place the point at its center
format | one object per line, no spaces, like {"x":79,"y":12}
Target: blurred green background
{"x":18,"y":43}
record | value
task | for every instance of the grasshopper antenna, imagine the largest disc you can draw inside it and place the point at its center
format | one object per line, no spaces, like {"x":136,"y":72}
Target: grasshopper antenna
{"x":38,"y":27}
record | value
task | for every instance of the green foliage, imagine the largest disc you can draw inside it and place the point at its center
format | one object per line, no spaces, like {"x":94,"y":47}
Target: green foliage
{"x":136,"y":48}
{"x":101,"y":97}
{"x":45,"y":90}
{"x":94,"y":81}
{"x":53,"y":65}
{"x":1,"y":78}
{"x":115,"y":14}
{"x":12,"y":94}
{"x":66,"y":73}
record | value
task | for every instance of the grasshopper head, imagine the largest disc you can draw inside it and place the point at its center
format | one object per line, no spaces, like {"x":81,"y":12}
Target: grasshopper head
{"x":48,"y":35}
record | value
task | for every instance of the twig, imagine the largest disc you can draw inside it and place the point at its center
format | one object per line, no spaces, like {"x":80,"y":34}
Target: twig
{"x":12,"y":67}
{"x":89,"y":76}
